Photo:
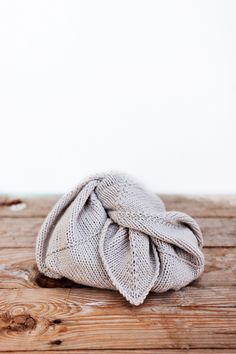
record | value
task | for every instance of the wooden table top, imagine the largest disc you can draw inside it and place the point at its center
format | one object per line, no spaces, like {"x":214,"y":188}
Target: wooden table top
{"x":42,"y":314}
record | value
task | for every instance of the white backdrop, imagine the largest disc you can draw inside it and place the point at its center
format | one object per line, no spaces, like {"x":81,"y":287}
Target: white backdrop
{"x":146,"y":87}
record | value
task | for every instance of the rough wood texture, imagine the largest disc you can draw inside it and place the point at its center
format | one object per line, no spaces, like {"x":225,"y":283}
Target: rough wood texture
{"x":16,"y":232}
{"x":197,"y":206}
{"x":47,"y":315}
{"x":18,"y":269}
{"x":88,"y":318}
{"x":134,"y":351}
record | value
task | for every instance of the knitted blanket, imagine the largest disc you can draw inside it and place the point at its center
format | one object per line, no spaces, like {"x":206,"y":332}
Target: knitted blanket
{"x":109,"y":232}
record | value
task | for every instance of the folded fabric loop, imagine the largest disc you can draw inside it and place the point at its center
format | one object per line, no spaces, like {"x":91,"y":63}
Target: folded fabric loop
{"x":136,"y":264}
{"x":180,"y":232}
{"x":110,"y":232}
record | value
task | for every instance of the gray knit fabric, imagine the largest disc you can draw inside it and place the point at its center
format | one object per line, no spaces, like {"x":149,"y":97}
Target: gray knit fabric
{"x":109,"y":232}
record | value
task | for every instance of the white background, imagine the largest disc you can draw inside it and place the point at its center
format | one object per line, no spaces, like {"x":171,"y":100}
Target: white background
{"x":145,"y":87}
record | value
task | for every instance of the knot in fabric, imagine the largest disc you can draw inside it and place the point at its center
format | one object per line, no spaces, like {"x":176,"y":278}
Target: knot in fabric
{"x":110,"y":232}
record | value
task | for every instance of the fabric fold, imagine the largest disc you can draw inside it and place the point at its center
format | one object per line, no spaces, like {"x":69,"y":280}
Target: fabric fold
{"x":110,"y":232}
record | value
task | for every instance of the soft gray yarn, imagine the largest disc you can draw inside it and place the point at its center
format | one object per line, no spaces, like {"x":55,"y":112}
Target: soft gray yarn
{"x":109,"y":232}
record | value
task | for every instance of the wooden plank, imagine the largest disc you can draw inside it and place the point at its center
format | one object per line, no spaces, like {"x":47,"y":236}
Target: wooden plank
{"x":18,"y":270}
{"x":131,"y":351}
{"x":197,"y":206}
{"x":23,"y":206}
{"x":220,"y":268}
{"x":202,"y":205}
{"x":21,"y":232}
{"x":93,"y":319}
{"x":114,"y":315}
{"x":218,"y":232}
{"x":87,"y":320}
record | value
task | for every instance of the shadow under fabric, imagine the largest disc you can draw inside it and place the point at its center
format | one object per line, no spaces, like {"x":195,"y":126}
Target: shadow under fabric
{"x":109,"y":232}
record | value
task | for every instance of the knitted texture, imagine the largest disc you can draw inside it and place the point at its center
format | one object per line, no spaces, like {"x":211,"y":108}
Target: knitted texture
{"x":109,"y":232}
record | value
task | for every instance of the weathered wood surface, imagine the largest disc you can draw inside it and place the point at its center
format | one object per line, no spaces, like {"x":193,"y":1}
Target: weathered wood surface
{"x":88,"y":318}
{"x":48,"y":315}
{"x":133,"y":351}
{"x":18,"y":269}
{"x":197,"y":206}
{"x":16,"y":232}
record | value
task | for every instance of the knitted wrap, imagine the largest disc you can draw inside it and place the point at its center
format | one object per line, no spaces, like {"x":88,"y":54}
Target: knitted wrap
{"x":109,"y":232}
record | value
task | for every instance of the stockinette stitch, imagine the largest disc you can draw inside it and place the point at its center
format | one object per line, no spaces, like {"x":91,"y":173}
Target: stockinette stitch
{"x":109,"y":232}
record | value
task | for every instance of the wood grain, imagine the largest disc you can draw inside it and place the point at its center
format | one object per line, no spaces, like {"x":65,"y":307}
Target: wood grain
{"x":18,"y":269}
{"x":22,"y":232}
{"x":93,"y":319}
{"x":39,"y":314}
{"x":132,"y":351}
{"x":197,"y":206}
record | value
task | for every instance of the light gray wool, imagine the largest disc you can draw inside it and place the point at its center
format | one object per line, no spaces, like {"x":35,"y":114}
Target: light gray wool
{"x":109,"y":232}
